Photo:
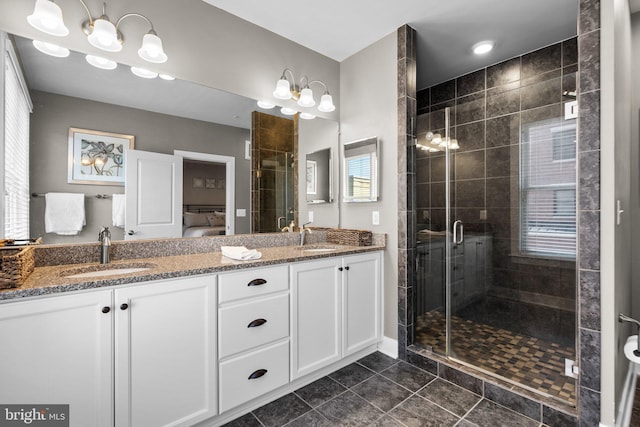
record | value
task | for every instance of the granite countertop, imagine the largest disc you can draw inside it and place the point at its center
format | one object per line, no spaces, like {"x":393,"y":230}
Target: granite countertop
{"x":52,"y":280}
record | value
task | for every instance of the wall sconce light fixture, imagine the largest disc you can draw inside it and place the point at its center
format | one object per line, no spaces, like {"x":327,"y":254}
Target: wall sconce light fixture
{"x":101,"y":32}
{"x":287,"y":89}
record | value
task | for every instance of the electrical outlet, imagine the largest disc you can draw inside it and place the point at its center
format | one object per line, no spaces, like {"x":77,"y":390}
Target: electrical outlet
{"x":241,"y":213}
{"x":375,"y":218}
{"x":425,"y":214}
{"x":310,"y":216}
{"x":483,"y":214}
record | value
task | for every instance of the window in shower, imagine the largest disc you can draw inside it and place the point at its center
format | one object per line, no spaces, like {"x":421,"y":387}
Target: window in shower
{"x":548,"y":190}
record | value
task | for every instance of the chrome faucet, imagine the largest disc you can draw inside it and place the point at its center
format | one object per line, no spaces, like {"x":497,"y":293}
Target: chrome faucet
{"x":303,"y":232}
{"x":104,"y":237}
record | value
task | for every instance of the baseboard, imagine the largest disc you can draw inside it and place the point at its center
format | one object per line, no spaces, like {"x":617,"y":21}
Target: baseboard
{"x":388,"y":346}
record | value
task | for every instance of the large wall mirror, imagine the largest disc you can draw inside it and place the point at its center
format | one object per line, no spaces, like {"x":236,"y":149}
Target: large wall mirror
{"x":360,"y":170}
{"x":162,"y":115}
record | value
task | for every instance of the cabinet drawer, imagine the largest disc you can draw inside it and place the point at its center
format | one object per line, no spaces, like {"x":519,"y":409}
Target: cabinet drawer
{"x":236,"y":385}
{"x":251,"y":283}
{"x":250,"y":324}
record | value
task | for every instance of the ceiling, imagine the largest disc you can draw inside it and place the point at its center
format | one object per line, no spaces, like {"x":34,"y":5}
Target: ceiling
{"x":446,"y":30}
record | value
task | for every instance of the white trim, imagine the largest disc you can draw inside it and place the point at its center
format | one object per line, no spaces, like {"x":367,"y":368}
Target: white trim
{"x":388,"y":346}
{"x":230,"y":163}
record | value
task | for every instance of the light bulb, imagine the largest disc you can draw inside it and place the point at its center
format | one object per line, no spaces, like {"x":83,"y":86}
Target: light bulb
{"x":283,"y":89}
{"x":306,"y":98}
{"x":326,"y":103}
{"x":102,"y":63}
{"x":47,"y":17}
{"x":51,"y":49}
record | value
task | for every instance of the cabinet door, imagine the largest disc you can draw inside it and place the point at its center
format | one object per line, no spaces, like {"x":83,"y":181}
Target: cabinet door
{"x":361,"y":301}
{"x":316,"y":315}
{"x":165,"y":352}
{"x":58,"y":350}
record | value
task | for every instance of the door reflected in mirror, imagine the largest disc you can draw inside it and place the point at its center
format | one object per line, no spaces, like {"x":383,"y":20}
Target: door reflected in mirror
{"x":360,"y":170}
{"x":319,"y":173}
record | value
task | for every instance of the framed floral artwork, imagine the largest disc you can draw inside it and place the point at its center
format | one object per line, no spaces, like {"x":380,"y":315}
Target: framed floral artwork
{"x":97,"y":157}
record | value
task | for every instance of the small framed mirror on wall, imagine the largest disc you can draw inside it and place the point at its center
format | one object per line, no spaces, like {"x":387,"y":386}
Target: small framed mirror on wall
{"x":360,"y":170}
{"x":319,"y":173}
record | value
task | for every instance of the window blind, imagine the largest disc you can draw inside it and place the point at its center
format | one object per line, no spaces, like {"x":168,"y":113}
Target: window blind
{"x":17,"y":107}
{"x":548,"y":190}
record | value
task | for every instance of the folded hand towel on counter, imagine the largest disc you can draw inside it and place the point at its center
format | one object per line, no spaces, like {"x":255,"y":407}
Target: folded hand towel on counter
{"x":118,"y":210}
{"x":240,"y":253}
{"x":64,"y":213}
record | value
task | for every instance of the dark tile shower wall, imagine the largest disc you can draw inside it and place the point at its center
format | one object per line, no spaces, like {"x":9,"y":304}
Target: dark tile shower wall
{"x":488,"y":109}
{"x":274,"y":149}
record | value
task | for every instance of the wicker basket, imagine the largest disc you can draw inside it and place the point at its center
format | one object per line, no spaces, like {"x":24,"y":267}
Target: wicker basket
{"x":343,"y":236}
{"x":16,"y":264}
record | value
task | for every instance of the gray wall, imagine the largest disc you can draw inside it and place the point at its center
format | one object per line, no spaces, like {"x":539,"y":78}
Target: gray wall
{"x":369,"y":108}
{"x":203,"y":195}
{"x":52,"y":117}
{"x":635,"y":160}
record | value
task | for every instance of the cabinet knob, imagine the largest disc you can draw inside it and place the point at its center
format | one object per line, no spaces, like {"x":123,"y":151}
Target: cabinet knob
{"x":256,"y":323}
{"x":347,"y":268}
{"x":257,"y":282}
{"x":257,"y":374}
{"x":105,"y":310}
{"x":131,"y":232}
{"x":340,"y":268}
{"x":124,"y":306}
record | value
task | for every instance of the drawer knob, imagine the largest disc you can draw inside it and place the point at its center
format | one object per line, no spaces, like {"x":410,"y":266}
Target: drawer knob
{"x":105,"y":310}
{"x":340,"y":268}
{"x":257,"y":374}
{"x":256,"y":282}
{"x":124,"y":306}
{"x":256,"y":323}
{"x":347,"y":268}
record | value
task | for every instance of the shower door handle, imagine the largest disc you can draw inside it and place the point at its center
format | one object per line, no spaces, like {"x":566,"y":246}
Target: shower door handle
{"x":455,"y":232}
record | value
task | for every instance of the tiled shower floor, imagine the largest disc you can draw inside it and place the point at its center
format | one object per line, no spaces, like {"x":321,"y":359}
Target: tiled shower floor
{"x":531,"y":362}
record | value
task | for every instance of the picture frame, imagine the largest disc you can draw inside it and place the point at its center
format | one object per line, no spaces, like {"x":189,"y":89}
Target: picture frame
{"x":210,"y":183}
{"x":97,"y":157}
{"x":197,"y":182}
{"x":312,"y":177}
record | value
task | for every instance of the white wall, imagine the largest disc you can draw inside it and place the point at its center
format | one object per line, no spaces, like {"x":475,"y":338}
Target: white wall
{"x":368,"y":107}
{"x":615,"y":246}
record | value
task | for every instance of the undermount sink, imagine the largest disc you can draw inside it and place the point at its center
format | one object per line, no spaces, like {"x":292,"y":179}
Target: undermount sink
{"x":104,"y":270}
{"x":318,"y":248}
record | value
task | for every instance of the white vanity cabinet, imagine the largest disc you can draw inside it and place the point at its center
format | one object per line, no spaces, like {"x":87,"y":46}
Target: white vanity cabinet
{"x":165,"y":352}
{"x":59,"y":350}
{"x":336,"y":309}
{"x":145,"y":353}
{"x":253,"y":333}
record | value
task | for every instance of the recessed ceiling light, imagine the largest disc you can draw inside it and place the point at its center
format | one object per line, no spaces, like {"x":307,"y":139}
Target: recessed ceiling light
{"x":483,"y":47}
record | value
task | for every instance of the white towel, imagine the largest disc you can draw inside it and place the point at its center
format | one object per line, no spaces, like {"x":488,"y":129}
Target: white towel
{"x":117,"y":210}
{"x":240,"y":253}
{"x":64,"y":213}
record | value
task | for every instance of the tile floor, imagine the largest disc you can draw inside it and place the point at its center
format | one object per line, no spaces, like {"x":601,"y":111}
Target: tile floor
{"x":533,"y":362}
{"x":381,"y":391}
